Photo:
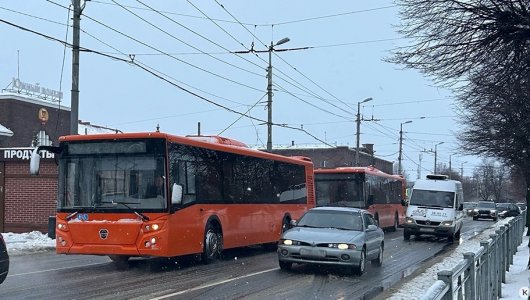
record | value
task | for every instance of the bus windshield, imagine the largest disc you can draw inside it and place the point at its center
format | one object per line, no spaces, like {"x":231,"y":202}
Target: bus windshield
{"x":98,"y":177}
{"x":340,"y":190}
{"x":432,"y":198}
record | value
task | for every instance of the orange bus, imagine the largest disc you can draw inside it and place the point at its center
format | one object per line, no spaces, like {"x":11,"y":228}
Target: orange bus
{"x":159,"y":195}
{"x":363,"y":187}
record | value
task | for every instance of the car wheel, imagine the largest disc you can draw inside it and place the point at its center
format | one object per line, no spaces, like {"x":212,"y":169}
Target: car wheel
{"x":359,"y":269}
{"x":406,"y":235}
{"x":213,"y":242}
{"x":475,"y":218}
{"x":285,"y":265}
{"x":379,"y":260}
{"x":120,"y":261}
{"x":494,"y":219}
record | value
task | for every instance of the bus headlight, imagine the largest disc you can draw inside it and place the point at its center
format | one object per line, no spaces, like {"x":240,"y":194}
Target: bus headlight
{"x":62,"y":227}
{"x":155,"y":227}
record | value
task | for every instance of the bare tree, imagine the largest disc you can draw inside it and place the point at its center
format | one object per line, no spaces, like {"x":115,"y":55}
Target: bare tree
{"x":481,"y":49}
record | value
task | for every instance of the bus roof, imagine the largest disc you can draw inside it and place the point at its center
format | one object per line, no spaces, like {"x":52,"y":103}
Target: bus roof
{"x":208,"y":142}
{"x":366,"y":170}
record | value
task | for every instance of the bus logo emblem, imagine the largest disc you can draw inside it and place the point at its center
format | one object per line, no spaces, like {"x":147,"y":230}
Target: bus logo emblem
{"x":103,"y":233}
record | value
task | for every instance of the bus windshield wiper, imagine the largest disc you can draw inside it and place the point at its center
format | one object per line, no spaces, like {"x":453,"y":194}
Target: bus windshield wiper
{"x":70,"y":216}
{"x":139,"y":214}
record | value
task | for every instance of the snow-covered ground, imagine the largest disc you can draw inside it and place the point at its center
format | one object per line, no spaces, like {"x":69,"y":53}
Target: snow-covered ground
{"x":517,"y":279}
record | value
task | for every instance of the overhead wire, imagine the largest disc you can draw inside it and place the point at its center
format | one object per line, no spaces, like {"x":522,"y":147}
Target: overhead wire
{"x":222,"y":6}
{"x":163,"y":52}
{"x":159,"y":76}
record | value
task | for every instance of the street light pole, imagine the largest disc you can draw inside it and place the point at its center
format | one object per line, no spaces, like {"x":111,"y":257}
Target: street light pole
{"x":269,"y":93}
{"x":400,"y":170}
{"x":435,"y":154}
{"x":359,"y":129}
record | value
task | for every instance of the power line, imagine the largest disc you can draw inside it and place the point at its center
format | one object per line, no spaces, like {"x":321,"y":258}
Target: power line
{"x":222,"y":6}
{"x":165,"y":53}
{"x":157,"y":75}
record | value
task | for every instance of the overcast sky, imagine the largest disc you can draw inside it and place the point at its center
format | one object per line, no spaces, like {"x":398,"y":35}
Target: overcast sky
{"x":190,"y":46}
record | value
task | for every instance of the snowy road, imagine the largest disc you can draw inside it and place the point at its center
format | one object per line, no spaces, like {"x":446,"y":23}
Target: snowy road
{"x":250,"y":273}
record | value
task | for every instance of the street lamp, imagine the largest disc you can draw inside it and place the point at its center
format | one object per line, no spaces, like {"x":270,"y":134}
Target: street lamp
{"x":269,"y":92}
{"x":401,"y":145}
{"x":435,"y":154}
{"x":359,"y":128}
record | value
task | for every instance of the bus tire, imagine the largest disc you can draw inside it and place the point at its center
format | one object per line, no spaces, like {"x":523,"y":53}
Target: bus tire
{"x":286,"y":223}
{"x":212,"y":246}
{"x":396,"y":223}
{"x":120,"y":261}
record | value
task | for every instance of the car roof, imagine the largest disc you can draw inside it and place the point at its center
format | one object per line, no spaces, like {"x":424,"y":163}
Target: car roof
{"x":339,"y":208}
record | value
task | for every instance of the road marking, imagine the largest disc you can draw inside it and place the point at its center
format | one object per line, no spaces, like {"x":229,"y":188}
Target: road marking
{"x":58,"y":269}
{"x":212,"y":284}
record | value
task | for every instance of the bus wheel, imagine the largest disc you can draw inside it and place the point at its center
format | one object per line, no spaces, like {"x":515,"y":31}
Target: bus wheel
{"x":121,"y":261}
{"x":286,"y":224}
{"x":396,"y":223}
{"x":212,"y":244}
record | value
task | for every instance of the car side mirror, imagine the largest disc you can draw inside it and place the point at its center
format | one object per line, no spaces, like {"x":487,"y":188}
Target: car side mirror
{"x":292,"y":223}
{"x":461,"y":207}
{"x":371,"y":228}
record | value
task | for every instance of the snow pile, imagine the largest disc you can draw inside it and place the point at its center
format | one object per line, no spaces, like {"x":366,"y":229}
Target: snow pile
{"x":28,"y":242}
{"x":518,"y":278}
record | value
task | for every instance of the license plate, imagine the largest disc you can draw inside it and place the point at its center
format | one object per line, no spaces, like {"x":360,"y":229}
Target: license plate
{"x":427,"y":229}
{"x":312,"y":253}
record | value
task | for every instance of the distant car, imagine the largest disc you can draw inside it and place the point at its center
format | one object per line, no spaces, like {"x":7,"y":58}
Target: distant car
{"x":4,"y":260}
{"x":338,"y":236}
{"x":485,"y":210}
{"x":468,"y":208}
{"x":508,"y":210}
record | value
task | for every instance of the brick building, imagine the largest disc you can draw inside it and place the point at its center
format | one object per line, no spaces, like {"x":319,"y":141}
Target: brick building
{"x":340,"y":156}
{"x":27,"y":201}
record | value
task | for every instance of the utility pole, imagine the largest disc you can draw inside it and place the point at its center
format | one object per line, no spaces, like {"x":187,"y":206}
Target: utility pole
{"x":400,"y":170}
{"x":74,"y":113}
{"x":269,"y":93}
{"x":419,"y":166}
{"x":435,"y":154}
{"x":462,"y":169}
{"x":358,"y":120}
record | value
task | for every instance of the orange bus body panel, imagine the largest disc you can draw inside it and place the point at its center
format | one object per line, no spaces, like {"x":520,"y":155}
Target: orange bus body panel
{"x":181,"y":232}
{"x":385,"y":212}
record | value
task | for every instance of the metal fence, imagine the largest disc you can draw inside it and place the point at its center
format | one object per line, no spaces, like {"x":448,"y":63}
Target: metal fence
{"x":480,"y":274}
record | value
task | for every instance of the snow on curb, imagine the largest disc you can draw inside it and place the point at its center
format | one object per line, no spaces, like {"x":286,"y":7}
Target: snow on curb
{"x":27,"y":243}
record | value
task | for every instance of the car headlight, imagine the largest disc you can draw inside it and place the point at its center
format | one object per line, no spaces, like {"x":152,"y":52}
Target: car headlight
{"x":409,"y":220}
{"x":289,"y":242}
{"x":493,"y":211}
{"x":475,"y":210}
{"x":447,"y":223}
{"x":342,"y":246}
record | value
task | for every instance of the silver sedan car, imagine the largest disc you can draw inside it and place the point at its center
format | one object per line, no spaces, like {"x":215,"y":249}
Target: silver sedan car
{"x":339,"y":236}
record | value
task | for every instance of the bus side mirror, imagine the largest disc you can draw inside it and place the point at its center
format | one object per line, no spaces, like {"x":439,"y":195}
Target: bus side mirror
{"x":176,"y":194}
{"x":34,"y":162}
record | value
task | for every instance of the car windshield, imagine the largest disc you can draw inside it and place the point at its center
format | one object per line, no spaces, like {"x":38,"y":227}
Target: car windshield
{"x":332,"y":219}
{"x":486,"y":204}
{"x":469,"y":204}
{"x":432,"y":198}
{"x":503,"y":206}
